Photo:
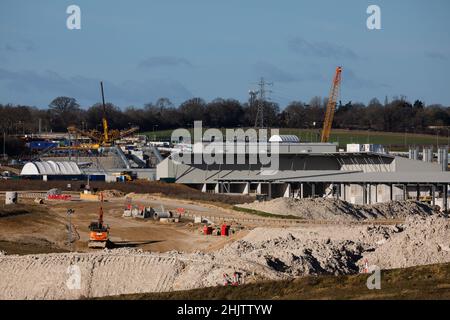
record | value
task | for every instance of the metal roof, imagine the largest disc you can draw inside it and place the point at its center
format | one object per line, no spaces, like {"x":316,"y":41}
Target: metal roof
{"x":195,"y":175}
{"x":351,"y":177}
{"x":398,"y":170}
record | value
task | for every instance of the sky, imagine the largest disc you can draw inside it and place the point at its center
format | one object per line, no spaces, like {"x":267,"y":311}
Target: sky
{"x":146,"y":49}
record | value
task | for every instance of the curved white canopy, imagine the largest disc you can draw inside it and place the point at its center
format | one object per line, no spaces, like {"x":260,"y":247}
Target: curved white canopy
{"x":50,"y":168}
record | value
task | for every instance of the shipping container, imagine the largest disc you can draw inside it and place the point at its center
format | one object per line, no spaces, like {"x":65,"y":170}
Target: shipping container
{"x":41,"y":145}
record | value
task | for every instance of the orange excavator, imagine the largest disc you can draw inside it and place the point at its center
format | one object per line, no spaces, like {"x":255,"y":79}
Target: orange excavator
{"x":99,"y":232}
{"x":331,"y":106}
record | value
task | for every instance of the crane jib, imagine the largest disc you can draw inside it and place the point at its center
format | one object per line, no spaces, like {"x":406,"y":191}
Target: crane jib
{"x":331,"y":106}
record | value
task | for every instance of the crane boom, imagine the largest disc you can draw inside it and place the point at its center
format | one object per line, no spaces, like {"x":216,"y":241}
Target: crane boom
{"x":104,"y":121}
{"x":107,"y":136}
{"x":331,"y":106}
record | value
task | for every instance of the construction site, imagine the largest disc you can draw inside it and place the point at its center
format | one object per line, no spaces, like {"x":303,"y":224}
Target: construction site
{"x":109,"y":213}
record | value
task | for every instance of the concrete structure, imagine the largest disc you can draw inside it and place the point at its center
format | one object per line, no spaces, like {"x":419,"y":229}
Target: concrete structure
{"x":309,"y":170}
{"x":10,"y":197}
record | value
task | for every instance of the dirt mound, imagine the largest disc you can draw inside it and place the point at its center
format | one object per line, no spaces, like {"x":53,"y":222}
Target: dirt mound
{"x":289,"y":256}
{"x":420,"y":241}
{"x":338,"y":210}
{"x":113,"y":193}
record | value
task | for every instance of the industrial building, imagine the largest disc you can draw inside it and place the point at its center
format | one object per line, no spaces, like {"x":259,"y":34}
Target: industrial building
{"x":318,"y":170}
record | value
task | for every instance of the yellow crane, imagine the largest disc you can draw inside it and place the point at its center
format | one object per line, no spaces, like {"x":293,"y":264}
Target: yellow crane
{"x":331,"y":106}
{"x":107,"y":137}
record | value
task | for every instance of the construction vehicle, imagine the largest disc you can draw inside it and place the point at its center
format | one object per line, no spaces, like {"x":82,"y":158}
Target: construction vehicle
{"x":107,"y":137}
{"x":331,"y":106}
{"x":124,"y":176}
{"x":99,"y":232}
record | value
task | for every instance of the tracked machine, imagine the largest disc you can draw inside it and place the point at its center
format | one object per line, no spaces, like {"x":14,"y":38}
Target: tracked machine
{"x":99,"y":232}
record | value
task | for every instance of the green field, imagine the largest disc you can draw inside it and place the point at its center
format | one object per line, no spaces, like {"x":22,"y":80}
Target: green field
{"x":393,"y":140}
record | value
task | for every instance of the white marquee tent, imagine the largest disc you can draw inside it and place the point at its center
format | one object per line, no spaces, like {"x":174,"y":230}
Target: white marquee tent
{"x":50,"y":168}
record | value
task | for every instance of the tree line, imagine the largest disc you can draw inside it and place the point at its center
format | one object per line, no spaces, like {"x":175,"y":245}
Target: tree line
{"x":398,"y":115}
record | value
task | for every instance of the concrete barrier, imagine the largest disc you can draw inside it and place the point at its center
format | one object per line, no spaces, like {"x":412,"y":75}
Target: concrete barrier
{"x":11,"y":197}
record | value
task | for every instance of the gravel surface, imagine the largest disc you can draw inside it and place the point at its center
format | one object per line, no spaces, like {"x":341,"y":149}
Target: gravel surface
{"x":264,"y":253}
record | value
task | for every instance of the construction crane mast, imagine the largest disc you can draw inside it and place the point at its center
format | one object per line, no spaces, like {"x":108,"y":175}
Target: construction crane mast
{"x":104,"y":121}
{"x":331,"y":106}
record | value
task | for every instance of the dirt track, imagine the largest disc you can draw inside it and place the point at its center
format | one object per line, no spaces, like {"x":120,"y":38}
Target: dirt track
{"x":265,"y":253}
{"x":46,"y":225}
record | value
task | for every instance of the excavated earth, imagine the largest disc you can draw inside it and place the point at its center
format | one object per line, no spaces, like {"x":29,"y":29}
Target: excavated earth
{"x":264,"y":253}
{"x":338,"y":210}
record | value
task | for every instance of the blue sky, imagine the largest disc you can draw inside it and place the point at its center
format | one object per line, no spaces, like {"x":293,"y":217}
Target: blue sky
{"x":144,"y":50}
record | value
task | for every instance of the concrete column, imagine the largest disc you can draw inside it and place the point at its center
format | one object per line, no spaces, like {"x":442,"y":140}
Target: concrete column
{"x":226,"y":187}
{"x":338,"y":193}
{"x":246,"y":188}
{"x":344,"y":191}
{"x":258,"y":188}
{"x":301,"y":191}
{"x":269,"y":191}
{"x":204,"y":187}
{"x":404,"y":192}
{"x":369,"y":189}
{"x":287,"y":191}
{"x":376,"y":193}
{"x":217,"y":188}
{"x":313,"y":189}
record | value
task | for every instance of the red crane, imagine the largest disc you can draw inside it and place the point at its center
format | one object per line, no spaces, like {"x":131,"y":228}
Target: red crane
{"x":331,"y":106}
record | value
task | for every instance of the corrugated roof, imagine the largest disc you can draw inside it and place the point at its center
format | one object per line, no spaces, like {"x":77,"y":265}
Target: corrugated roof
{"x":195,"y":175}
{"x":354,"y":177}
